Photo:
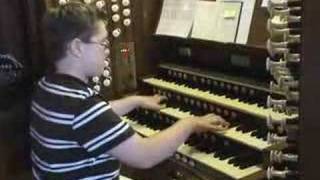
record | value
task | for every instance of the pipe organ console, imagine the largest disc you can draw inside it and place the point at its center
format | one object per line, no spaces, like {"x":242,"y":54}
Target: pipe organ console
{"x":255,"y":89}
{"x":267,"y":88}
{"x":239,"y":152}
{"x":254,"y":86}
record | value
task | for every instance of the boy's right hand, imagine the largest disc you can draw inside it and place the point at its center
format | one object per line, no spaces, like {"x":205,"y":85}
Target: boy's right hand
{"x":208,"y":123}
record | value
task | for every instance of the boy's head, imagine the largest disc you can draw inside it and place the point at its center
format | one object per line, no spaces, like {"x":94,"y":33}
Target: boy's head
{"x":75,"y":37}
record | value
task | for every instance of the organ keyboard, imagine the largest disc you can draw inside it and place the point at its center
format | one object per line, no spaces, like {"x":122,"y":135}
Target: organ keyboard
{"x":247,"y":137}
{"x":222,"y":100}
{"x":199,"y":160}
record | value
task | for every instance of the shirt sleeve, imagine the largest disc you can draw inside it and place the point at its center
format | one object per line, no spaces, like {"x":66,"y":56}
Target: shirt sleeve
{"x":97,"y":128}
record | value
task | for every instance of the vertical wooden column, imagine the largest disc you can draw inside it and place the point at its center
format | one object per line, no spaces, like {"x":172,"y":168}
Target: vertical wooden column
{"x":310,"y":92}
{"x":146,"y":20}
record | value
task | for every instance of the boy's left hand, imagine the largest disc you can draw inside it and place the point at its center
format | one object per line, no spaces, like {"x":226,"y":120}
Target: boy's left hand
{"x":152,"y":102}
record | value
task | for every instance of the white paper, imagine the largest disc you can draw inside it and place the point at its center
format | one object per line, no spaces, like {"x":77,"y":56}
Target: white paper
{"x":205,"y":20}
{"x":228,"y":21}
{"x":216,"y":21}
{"x":176,"y":18}
{"x":245,"y":19}
{"x":265,"y":3}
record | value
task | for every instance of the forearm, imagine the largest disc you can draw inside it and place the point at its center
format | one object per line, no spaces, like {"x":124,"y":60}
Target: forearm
{"x":162,"y":145}
{"x":146,"y":152}
{"x":125,"y":105}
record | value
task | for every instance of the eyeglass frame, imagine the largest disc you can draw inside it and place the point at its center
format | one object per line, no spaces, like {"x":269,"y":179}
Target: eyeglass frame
{"x":104,"y":43}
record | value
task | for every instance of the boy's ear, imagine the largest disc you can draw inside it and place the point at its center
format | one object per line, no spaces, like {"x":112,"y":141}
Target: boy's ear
{"x":75,"y":47}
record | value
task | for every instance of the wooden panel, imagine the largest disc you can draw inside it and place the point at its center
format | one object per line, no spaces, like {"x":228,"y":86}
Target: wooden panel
{"x":146,"y":20}
{"x":310,"y":96}
{"x":258,"y":30}
{"x":149,"y":50}
{"x":20,"y":37}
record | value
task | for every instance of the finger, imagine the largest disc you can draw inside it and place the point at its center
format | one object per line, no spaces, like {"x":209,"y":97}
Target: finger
{"x":157,"y":98}
{"x":214,"y":118}
{"x":222,"y":122}
{"x":161,"y":99}
{"x":162,"y":106}
{"x":209,"y":116}
{"x":154,"y":106}
{"x":215,"y":128}
{"x":225,"y":124}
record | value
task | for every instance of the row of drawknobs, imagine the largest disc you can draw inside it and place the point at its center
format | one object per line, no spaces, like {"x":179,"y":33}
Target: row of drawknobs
{"x":284,"y":47}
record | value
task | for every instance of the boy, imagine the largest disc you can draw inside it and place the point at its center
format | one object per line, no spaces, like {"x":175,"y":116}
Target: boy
{"x":75,"y":133}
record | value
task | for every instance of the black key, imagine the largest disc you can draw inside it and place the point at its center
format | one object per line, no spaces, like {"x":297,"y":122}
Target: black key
{"x":261,"y":133}
{"x":226,"y":152}
{"x":250,"y":159}
{"x":193,"y":140}
{"x":234,"y":123}
{"x":240,"y":160}
{"x":185,"y":108}
{"x":198,"y":112}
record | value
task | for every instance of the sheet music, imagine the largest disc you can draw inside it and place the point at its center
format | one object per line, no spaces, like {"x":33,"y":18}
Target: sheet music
{"x":176,"y":18}
{"x":205,"y":20}
{"x":228,"y":19}
{"x":265,"y":3}
{"x":245,"y":19}
{"x":216,"y":21}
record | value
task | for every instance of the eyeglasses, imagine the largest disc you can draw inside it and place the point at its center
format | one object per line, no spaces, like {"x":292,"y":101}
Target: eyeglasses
{"x":104,"y":44}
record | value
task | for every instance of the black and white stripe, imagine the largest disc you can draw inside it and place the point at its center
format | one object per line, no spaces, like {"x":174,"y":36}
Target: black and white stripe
{"x":62,"y":90}
{"x":106,"y":176}
{"x":91,"y":92}
{"x":35,"y":174}
{"x":51,"y":116}
{"x":106,"y":137}
{"x":53,"y":143}
{"x":67,"y":167}
{"x":90,"y":114}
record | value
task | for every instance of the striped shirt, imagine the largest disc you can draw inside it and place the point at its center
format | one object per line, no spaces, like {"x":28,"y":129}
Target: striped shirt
{"x":72,"y":128}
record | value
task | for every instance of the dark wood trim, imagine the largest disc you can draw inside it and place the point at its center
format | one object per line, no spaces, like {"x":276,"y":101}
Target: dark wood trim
{"x":310,"y":96}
